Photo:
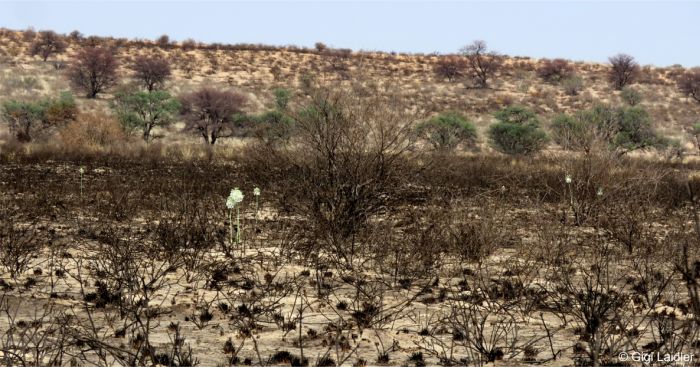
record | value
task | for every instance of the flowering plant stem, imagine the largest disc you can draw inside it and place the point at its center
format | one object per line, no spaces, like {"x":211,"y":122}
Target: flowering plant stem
{"x":230,"y":223}
{"x":238,"y":229}
{"x":256,"y":212}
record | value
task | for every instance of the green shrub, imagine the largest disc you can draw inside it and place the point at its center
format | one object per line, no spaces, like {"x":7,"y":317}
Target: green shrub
{"x":631,"y":96}
{"x":572,"y":133}
{"x":447,"y":130}
{"x":307,"y":80}
{"x":623,"y":129}
{"x":28,"y":119}
{"x":282,"y":97}
{"x":61,"y":110}
{"x":635,"y":130}
{"x":145,"y":110}
{"x":272,"y":126}
{"x":517,"y":115}
{"x":696,"y":129}
{"x":572,"y":85}
{"x":517,"y":132}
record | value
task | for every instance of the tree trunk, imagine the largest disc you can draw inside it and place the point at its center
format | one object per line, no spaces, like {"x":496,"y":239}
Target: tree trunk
{"x":147,"y":134}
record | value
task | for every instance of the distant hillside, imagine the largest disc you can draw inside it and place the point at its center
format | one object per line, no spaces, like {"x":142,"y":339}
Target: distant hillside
{"x":256,"y":70}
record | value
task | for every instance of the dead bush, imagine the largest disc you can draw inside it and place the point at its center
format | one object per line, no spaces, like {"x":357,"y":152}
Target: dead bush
{"x":554,"y":71}
{"x":343,"y":164}
{"x":450,"y":67}
{"x":19,"y":244}
{"x":624,"y":70}
{"x":92,"y":132}
{"x":593,"y":294}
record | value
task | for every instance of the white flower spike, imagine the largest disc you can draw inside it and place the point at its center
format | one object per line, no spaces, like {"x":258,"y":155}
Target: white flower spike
{"x":568,"y":179}
{"x":81,"y":170}
{"x":256,"y":191}
{"x":599,"y":192}
{"x":234,"y":198}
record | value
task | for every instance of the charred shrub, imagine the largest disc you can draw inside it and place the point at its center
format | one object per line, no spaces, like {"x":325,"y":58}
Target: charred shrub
{"x":18,"y":246}
{"x":343,"y":164}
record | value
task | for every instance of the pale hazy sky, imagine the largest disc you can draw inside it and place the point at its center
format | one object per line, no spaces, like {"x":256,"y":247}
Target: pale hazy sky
{"x":660,"y":33}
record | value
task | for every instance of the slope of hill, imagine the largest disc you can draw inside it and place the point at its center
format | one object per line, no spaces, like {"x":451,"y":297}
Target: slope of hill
{"x":255,"y":70}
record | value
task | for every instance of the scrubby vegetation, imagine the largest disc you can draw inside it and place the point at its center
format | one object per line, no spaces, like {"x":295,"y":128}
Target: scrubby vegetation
{"x":448,"y":130}
{"x":26,"y":120}
{"x":624,"y":129}
{"x":334,"y":221}
{"x":517,"y":131}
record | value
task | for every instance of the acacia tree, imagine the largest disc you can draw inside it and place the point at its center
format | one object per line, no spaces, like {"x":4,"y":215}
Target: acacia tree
{"x":145,"y":111}
{"x":450,"y":67}
{"x":94,"y":70}
{"x":151,"y":72}
{"x":624,"y":70}
{"x":481,"y":63}
{"x":210,"y":112}
{"x":689,"y":84}
{"x":47,"y":44}
{"x":26,"y":120}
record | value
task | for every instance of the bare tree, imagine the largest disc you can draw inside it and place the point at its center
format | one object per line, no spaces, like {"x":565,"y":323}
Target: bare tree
{"x":209,"y":112}
{"x":163,"y":41}
{"x":151,"y":72}
{"x":29,"y":34}
{"x":482,"y":64}
{"x":689,"y":84}
{"x":47,"y":44}
{"x":320,"y":46}
{"x":450,"y":67}
{"x":624,"y":70}
{"x":76,"y":36}
{"x":94,"y":70}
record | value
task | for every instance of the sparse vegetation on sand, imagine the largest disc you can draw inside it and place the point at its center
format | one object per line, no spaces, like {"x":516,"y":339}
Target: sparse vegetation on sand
{"x":326,"y":219}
